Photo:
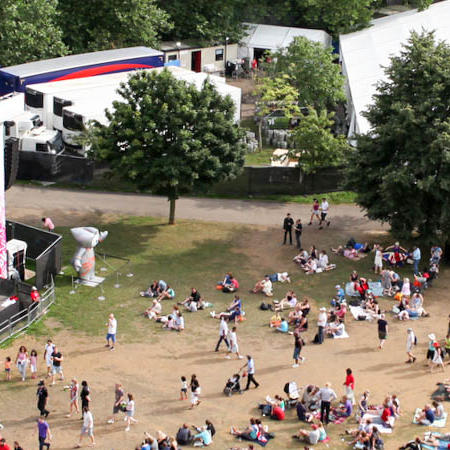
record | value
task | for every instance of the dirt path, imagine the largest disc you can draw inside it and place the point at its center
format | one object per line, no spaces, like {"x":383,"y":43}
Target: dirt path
{"x":36,"y":202}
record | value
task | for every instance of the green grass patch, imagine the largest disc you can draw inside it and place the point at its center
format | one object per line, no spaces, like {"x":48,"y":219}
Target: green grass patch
{"x":259,"y":158}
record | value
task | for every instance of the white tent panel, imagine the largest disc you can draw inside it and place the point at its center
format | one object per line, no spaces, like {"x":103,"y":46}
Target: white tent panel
{"x":365,"y":53}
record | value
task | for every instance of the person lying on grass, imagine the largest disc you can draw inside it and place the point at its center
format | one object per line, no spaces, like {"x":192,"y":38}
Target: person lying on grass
{"x":233,"y":312}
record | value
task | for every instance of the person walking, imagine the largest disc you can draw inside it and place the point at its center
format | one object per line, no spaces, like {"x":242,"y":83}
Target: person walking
{"x":42,"y":399}
{"x":382,"y":330}
{"x":287,"y":227}
{"x":85,"y":396}
{"x":314,"y":211}
{"x":112,"y":331}
{"x":298,"y":345}
{"x":378,"y":261}
{"x":195,"y":391}
{"x":74,"y":391}
{"x":250,"y":373}
{"x":44,"y":433}
{"x":326,"y":396}
{"x":130,"y":410}
{"x":87,"y":428}
{"x":298,"y":228}
{"x":223,"y":333}
{"x":324,"y":207}
{"x":349,"y":384}
{"x":22,"y":361}
{"x":119,"y":398}
{"x":234,"y":346}
{"x":416,"y":256}
{"x":321,"y":324}
{"x":410,"y":343}
{"x":49,"y":347}
{"x":57,"y":359}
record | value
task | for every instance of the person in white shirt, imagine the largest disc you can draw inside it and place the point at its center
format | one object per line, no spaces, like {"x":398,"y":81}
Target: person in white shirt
{"x":264,"y":286}
{"x":130,"y":411}
{"x":234,"y":346}
{"x":223,"y":334}
{"x":326,"y":396}
{"x":88,"y":427}
{"x":250,"y":365}
{"x":49,"y":347}
{"x":112,"y":330}
{"x":321,"y":324}
{"x":410,"y":343}
{"x":179,"y":321}
{"x":324,"y":207}
{"x":378,"y":262}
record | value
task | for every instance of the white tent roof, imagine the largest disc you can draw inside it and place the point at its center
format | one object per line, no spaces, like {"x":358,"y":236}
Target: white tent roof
{"x":364,"y":53}
{"x":272,"y":37}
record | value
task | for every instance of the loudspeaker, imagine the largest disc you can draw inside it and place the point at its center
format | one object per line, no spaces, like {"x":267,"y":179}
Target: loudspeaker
{"x":11,"y":161}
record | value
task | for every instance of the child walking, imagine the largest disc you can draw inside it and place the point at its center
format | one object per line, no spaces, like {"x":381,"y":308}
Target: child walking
{"x":130,"y":408}
{"x":8,"y":368}
{"x":184,"y":388}
{"x":33,"y":363}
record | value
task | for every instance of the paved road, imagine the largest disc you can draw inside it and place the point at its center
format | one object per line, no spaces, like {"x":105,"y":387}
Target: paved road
{"x":23,"y":201}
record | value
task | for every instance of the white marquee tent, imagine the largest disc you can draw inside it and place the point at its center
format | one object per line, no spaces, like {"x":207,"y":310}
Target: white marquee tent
{"x":271,"y":37}
{"x":365,"y":53}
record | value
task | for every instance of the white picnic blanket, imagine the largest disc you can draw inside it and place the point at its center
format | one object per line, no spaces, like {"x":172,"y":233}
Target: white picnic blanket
{"x":376,"y":420}
{"x":344,"y":335}
{"x":438,"y":423}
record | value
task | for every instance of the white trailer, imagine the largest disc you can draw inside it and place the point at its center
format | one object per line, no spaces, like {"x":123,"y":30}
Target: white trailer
{"x":46,"y":98}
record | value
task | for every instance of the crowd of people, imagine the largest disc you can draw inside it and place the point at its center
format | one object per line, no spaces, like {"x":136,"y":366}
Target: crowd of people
{"x":317,"y":406}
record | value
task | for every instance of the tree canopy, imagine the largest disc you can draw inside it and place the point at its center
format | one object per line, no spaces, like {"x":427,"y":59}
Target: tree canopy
{"x":312,"y":71}
{"x":401,"y":169}
{"x":105,"y":24}
{"x":170,"y":137}
{"x":315,"y":144}
{"x":29,"y":31}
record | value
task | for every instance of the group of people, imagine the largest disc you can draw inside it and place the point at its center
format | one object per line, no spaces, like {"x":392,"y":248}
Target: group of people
{"x":314,"y":261}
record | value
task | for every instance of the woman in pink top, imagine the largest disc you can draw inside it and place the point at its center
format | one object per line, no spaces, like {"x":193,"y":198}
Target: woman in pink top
{"x":22,"y":361}
{"x":48,"y":223}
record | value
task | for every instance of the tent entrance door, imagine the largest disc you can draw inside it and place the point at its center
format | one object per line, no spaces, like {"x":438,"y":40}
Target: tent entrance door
{"x":196,"y":61}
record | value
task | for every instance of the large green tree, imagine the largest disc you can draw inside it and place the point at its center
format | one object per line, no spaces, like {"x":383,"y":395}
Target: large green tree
{"x":312,"y":71}
{"x":104,"y":24}
{"x":29,"y":31}
{"x":209,"y":21}
{"x":275,"y":94}
{"x":170,"y":137}
{"x":401,"y":168}
{"x":335,"y":16}
{"x":315,"y":144}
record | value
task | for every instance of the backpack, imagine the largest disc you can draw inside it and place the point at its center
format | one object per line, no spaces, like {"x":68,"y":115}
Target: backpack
{"x":264,"y":306}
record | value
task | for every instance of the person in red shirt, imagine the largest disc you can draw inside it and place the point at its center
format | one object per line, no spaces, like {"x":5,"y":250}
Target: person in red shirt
{"x":386,"y":414}
{"x":277,"y":413}
{"x":35,"y":296}
{"x":349,"y":384}
{"x":4,"y":445}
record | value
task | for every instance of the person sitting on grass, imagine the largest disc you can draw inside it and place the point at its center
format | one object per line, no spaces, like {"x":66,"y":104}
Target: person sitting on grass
{"x":284,"y":326}
{"x":154,"y":311}
{"x":274,"y":408}
{"x":335,"y":329}
{"x":295,"y":315}
{"x":311,"y":266}
{"x":229,"y":284}
{"x":275,"y":320}
{"x":250,"y":433}
{"x":288,"y":302}
{"x":426,"y":416}
{"x":168,"y":293}
{"x":203,"y":437}
{"x":152,"y":291}
{"x":310,"y":436}
{"x":194,"y":302}
{"x":233,"y":312}
{"x":301,"y":258}
{"x":345,"y":408}
{"x":264,"y":286}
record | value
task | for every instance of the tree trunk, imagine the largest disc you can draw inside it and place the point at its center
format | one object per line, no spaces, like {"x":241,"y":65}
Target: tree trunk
{"x":172,"y":201}
{"x":260,"y":134}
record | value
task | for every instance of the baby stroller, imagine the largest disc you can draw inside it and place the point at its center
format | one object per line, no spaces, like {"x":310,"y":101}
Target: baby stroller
{"x":291,"y":389}
{"x":233,"y":385}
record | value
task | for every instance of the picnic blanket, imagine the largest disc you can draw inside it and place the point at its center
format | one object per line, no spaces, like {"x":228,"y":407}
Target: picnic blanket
{"x":376,"y":420}
{"x":262,"y":443}
{"x":344,"y":335}
{"x":374,"y":286}
{"x":438,"y":423}
{"x":334,"y":418}
{"x":357,"y":311}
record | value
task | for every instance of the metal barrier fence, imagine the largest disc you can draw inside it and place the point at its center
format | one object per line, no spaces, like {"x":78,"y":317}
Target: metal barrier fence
{"x":23,"y":319}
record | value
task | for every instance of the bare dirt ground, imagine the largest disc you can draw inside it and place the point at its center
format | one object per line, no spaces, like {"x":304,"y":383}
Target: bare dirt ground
{"x":151,"y":370}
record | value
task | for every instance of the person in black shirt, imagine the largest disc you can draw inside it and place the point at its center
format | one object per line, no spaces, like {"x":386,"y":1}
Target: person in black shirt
{"x":382,"y":330}
{"x":287,"y":227}
{"x":195,"y":298}
{"x":84,"y":396}
{"x":298,"y":232}
{"x":42,"y":397}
